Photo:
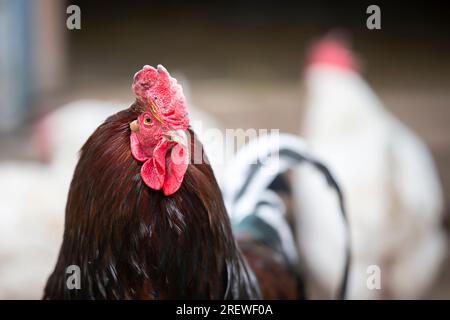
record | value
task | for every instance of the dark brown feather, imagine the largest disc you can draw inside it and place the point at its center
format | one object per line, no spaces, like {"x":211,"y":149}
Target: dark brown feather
{"x":276,"y":278}
{"x":133,"y":242}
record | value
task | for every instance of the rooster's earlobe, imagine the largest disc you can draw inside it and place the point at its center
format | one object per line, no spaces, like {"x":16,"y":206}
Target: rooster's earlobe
{"x":134,"y":126}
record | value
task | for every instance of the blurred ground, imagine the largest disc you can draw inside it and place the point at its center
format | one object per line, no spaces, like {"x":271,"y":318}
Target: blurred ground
{"x":249,"y":76}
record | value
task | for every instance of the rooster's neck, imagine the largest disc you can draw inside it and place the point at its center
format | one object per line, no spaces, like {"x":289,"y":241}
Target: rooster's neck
{"x":133,"y":242}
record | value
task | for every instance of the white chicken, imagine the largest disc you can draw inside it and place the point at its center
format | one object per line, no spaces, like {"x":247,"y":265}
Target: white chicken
{"x":391,"y":187}
{"x":33,"y":197}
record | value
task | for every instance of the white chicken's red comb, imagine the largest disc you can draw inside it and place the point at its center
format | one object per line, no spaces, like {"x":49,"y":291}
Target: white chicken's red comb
{"x":333,"y":50}
{"x":163,"y":95}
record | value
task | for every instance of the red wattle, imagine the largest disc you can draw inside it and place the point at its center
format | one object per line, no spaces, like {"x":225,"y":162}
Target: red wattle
{"x":153,"y":173}
{"x":162,"y":170}
{"x":136,"y":149}
{"x":176,"y":168}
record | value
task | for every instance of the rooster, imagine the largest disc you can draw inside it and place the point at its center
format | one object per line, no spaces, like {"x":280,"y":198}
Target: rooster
{"x":30,"y":232}
{"x":389,"y":179}
{"x":145,"y":218}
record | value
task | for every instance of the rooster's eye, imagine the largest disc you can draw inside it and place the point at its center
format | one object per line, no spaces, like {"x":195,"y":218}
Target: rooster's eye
{"x":147,"y":120}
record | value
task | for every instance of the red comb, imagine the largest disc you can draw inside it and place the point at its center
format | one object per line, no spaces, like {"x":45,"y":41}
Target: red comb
{"x":163,"y":95}
{"x":333,"y":50}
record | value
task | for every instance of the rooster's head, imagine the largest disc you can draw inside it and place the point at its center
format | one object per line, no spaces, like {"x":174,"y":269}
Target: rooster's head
{"x":158,"y":135}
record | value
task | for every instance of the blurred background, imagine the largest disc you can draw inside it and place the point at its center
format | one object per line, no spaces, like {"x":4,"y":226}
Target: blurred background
{"x":243,"y":61}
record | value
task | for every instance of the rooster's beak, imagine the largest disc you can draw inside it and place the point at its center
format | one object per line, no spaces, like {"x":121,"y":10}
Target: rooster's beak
{"x":134,"y":126}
